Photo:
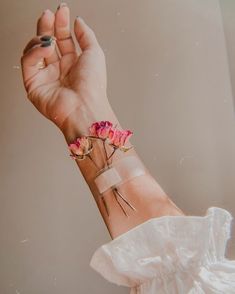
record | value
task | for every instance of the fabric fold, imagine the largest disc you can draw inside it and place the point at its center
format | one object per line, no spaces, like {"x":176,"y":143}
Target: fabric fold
{"x":174,"y":254}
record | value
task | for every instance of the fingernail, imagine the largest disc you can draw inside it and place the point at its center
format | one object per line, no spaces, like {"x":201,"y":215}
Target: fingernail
{"x":46,"y":38}
{"x":46,"y":44}
{"x":46,"y":11}
{"x":79,"y":18}
{"x":61,"y":5}
{"x":47,"y":41}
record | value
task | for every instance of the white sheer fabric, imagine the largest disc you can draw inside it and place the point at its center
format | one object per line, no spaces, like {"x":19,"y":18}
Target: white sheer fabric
{"x":171,"y":254}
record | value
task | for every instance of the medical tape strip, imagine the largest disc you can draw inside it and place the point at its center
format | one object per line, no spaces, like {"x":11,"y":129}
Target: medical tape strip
{"x":120,"y":171}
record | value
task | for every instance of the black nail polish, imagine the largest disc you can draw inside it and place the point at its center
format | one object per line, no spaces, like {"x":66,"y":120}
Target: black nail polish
{"x":46,"y":43}
{"x":79,"y":18}
{"x":45,"y":38}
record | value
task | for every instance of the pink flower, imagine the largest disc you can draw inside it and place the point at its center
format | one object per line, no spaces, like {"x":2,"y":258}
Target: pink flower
{"x":101,"y":129}
{"x":119,"y":138}
{"x":80,"y":146}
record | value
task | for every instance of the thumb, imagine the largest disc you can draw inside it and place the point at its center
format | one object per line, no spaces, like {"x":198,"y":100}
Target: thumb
{"x":84,"y":34}
{"x":31,"y":59}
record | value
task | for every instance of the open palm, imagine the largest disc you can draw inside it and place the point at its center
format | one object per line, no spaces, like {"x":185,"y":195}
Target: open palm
{"x":69,"y":79}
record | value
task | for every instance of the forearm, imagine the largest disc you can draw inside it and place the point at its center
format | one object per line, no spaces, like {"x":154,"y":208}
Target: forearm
{"x":81,"y":80}
{"x":143,"y":192}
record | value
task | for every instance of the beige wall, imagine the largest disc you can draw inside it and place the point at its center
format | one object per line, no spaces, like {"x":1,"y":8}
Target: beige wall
{"x":169,"y":79}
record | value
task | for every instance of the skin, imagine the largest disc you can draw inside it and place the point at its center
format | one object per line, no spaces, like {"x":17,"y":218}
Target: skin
{"x":71,"y":91}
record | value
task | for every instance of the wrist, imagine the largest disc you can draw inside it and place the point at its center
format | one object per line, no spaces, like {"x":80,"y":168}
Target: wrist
{"x":78,"y":124}
{"x":79,"y":121}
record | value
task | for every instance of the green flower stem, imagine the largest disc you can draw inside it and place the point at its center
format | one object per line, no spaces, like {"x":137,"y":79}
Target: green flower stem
{"x":124,"y":199}
{"x":122,"y":208}
{"x":106,"y":155}
{"x":105,"y":205}
{"x":114,"y":149}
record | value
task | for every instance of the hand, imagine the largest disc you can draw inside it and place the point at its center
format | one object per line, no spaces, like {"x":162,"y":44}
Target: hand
{"x":70,"y":80}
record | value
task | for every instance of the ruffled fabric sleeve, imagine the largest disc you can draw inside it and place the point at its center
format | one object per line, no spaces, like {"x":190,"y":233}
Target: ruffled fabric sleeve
{"x":171,"y":254}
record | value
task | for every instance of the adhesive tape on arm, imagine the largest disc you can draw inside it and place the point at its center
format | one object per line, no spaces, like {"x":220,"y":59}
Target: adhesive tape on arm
{"x":120,"y":171}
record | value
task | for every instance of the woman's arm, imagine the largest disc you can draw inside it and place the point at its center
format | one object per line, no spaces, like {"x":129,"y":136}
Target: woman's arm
{"x":71,"y":91}
{"x":143,"y":192}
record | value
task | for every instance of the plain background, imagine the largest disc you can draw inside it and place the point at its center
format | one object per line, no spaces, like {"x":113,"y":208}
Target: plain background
{"x":171,"y":76}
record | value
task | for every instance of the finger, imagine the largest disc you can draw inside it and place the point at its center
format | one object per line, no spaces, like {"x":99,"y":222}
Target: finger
{"x":45,"y":26}
{"x":62,"y":30}
{"x":30,"y":60}
{"x":37,"y":40}
{"x":84,"y":35}
{"x":34,"y":41}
